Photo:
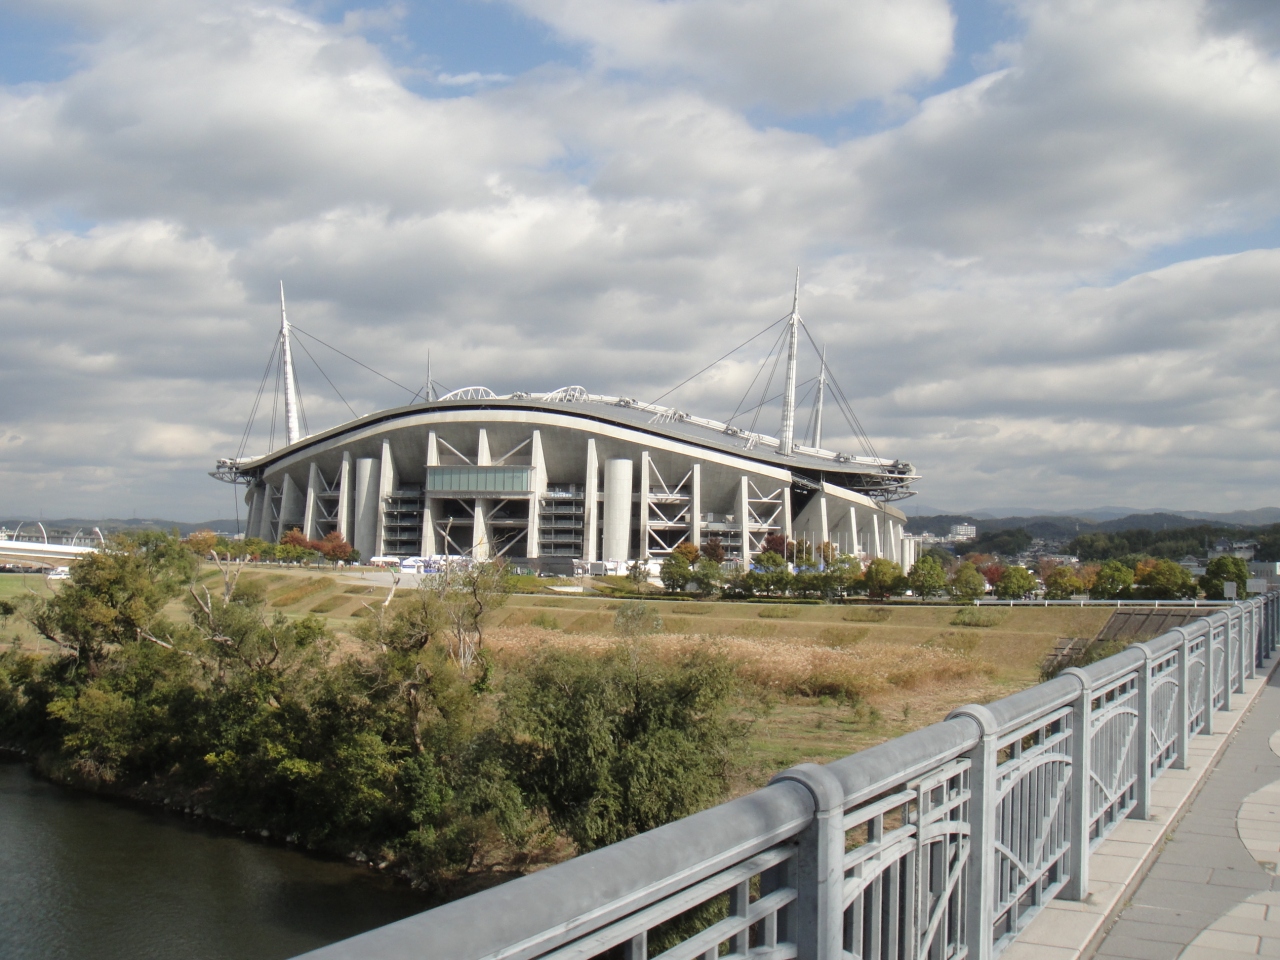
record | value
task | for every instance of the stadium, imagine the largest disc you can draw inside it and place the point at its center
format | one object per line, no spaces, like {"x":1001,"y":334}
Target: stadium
{"x":568,"y":475}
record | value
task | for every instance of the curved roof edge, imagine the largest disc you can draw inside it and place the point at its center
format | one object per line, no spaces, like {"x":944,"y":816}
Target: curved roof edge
{"x":893,"y":476}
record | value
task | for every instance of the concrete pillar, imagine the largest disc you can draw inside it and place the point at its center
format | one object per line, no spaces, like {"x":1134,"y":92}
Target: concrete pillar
{"x":270,"y":516}
{"x":253,"y":522}
{"x":876,"y":551}
{"x":744,"y":519}
{"x":346,"y":492}
{"x":429,"y":548}
{"x":386,"y":484}
{"x":291,"y":506}
{"x":855,"y":547}
{"x":480,"y":545}
{"x":786,"y":513}
{"x":368,"y":472}
{"x":589,"y":506}
{"x":824,"y":528}
{"x":480,"y":532}
{"x":695,"y":506}
{"x":538,"y":485}
{"x":617,"y":509}
{"x":310,"y":516}
{"x":643,"y":506}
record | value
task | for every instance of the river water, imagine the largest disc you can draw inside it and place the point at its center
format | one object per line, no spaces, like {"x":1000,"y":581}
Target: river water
{"x":84,"y":877}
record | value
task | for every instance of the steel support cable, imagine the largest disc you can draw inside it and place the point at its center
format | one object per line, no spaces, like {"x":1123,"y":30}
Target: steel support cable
{"x":302,"y":410}
{"x":275,"y":402}
{"x":752,"y":385}
{"x":326,"y":377}
{"x":778,"y":396}
{"x":725,"y":357}
{"x":353,"y":359}
{"x":842,"y":401}
{"x":253,"y":413}
{"x":765,"y":392}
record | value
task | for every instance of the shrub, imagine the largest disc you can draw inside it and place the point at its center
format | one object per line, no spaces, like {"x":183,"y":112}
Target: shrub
{"x":611,"y":746}
{"x":637,"y":619}
{"x":977,"y":617}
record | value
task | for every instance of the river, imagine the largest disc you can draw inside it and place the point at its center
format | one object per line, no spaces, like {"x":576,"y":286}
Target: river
{"x":86,"y":877}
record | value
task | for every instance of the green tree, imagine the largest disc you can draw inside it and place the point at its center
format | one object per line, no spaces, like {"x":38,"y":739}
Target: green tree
{"x":1015,"y":583}
{"x":769,"y":575}
{"x":1219,"y":571}
{"x":615,"y":745}
{"x":844,"y":575}
{"x":675,"y":572}
{"x":707,"y":576}
{"x":1165,"y":580}
{"x":927,"y":578}
{"x":114,"y":597}
{"x":637,"y":575}
{"x":967,"y":583}
{"x":884,"y":579}
{"x":1062,"y":584}
{"x":1113,"y":581}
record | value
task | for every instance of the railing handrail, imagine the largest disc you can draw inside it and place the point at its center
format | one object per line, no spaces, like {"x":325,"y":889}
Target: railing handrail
{"x":1058,"y":724}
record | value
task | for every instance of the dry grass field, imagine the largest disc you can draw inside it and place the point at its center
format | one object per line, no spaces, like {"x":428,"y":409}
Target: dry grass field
{"x":819,"y":681}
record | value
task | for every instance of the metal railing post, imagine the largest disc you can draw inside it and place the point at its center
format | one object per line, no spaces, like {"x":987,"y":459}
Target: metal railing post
{"x":1142,"y":803}
{"x":1247,"y":641}
{"x":1240,"y":651}
{"x":819,"y":906}
{"x":1207,"y":729}
{"x":1077,"y":885}
{"x":1183,"y":707}
{"x":980,"y":896}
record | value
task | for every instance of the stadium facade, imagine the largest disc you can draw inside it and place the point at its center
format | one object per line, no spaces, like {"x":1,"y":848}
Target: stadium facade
{"x":566,"y":475}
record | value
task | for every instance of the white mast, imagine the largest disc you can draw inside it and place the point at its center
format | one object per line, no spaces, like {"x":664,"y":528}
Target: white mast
{"x":431,"y":389}
{"x":292,"y":431}
{"x":817,"y":417}
{"x":789,"y":393}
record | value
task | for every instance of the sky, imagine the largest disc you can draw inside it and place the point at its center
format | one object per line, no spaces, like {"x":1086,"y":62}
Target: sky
{"x":1038,"y":238}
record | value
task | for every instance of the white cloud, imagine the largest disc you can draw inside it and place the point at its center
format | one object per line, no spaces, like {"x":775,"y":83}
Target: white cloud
{"x":969,"y":269}
{"x":799,"y":55}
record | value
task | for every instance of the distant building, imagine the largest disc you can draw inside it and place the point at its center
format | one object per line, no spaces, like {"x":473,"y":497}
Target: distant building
{"x":1244,"y":549}
{"x":963,"y":531}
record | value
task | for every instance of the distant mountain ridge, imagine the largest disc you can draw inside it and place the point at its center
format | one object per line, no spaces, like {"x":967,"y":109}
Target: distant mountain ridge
{"x":1056,"y":526}
{"x":111,"y":525}
{"x":1245,"y":518}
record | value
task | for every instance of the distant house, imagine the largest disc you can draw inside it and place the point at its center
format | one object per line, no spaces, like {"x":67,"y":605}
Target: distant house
{"x":1244,"y":549}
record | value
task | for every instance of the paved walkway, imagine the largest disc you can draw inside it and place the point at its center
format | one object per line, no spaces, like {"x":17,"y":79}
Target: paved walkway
{"x":1213,"y":891}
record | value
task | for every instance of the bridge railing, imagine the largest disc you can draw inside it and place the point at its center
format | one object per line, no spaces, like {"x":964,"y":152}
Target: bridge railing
{"x":942,"y":843}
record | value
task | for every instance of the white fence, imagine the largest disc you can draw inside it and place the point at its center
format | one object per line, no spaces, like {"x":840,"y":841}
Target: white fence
{"x":943,"y":843}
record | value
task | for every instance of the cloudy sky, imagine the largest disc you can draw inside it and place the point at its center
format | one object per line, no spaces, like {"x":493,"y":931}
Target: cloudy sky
{"x":1038,"y":237}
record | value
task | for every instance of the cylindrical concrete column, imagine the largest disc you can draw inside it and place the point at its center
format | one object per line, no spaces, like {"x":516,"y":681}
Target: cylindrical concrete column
{"x":617,"y":510}
{"x":368,"y":478}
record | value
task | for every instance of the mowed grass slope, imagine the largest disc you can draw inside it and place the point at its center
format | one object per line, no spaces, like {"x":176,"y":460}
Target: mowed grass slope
{"x":824,"y":681}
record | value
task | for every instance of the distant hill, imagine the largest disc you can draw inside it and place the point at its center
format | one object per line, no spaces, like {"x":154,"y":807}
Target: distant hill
{"x":1262,"y":516}
{"x":1058,"y":527}
{"x":69,"y":525}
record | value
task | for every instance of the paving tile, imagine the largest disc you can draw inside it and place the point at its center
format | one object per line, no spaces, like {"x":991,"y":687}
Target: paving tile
{"x":1237,"y":924}
{"x":1224,"y":940}
{"x":1213,"y":953}
{"x":1133,"y":948}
